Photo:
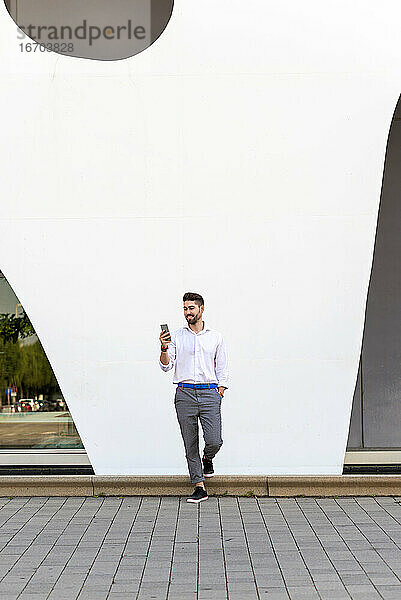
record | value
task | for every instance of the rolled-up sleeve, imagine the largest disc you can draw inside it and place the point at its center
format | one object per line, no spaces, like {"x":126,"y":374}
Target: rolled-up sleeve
{"x":171,"y":355}
{"x":221,"y":364}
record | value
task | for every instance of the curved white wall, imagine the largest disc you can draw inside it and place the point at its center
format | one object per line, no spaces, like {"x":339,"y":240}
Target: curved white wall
{"x":240,"y":156}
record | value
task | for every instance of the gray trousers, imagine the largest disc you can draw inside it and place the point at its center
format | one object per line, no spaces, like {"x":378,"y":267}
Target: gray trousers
{"x":205,"y":405}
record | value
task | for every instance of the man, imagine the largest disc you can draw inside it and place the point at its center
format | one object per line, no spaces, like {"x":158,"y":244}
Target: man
{"x":201,"y":374}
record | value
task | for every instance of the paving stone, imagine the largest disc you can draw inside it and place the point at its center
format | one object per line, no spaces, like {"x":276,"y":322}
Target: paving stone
{"x":390,"y":592}
{"x":304,"y":593}
{"x":308,"y":548}
{"x":363,"y":592}
{"x":333,"y":595}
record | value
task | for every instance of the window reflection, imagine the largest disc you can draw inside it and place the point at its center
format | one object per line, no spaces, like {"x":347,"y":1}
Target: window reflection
{"x":33,"y":412}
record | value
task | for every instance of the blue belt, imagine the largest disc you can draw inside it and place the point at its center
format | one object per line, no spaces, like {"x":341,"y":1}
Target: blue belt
{"x":198,"y":386}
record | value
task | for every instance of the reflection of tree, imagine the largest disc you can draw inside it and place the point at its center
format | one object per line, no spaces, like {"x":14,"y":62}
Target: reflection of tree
{"x":10,"y":365}
{"x":37,"y":375}
{"x":12,"y":328}
{"x":23,"y":365}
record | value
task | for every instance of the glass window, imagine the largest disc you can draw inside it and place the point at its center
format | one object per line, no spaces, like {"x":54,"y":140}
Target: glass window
{"x":33,"y":411}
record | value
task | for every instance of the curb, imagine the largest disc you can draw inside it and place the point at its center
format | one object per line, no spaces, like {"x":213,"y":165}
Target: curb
{"x":335,"y":485}
{"x":223,"y":485}
{"x":179,"y":485}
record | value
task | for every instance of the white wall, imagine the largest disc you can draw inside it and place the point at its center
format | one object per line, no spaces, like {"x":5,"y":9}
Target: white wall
{"x":241,"y":156}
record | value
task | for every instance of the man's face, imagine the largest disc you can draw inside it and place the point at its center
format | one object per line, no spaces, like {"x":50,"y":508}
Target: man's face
{"x":192,"y":312}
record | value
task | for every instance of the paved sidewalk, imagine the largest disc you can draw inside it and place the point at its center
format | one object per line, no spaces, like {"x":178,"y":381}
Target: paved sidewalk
{"x":64,"y":548}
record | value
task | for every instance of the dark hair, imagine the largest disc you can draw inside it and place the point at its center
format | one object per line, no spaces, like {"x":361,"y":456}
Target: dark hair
{"x":195,"y":297}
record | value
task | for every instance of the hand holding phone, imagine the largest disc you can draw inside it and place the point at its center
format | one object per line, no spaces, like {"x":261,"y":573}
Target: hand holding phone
{"x":165,"y":337}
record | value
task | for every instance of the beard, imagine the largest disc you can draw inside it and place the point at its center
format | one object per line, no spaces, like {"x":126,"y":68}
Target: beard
{"x":194,"y":318}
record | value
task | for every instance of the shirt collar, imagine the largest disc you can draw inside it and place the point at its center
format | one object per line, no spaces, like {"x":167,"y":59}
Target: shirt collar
{"x":205,"y":328}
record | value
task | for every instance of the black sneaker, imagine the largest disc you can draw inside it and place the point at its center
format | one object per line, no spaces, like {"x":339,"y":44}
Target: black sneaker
{"x":208,"y":470}
{"x":198,"y":495}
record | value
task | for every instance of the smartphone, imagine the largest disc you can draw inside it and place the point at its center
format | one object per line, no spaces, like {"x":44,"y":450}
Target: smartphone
{"x":165,"y":329}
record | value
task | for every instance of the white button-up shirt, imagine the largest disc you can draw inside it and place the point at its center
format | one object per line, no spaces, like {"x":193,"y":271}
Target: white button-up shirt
{"x":197,"y":357}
